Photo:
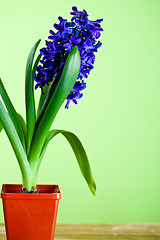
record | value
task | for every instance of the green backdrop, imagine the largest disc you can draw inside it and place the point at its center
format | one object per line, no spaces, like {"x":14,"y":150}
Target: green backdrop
{"x":118,"y":118}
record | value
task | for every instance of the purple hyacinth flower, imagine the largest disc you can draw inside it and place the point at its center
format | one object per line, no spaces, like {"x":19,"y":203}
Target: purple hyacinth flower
{"x":80,"y":32}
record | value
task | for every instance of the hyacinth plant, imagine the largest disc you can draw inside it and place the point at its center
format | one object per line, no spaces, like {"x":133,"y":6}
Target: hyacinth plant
{"x":59,"y":71}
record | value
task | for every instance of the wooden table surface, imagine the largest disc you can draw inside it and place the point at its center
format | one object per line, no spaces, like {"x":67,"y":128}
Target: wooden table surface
{"x":103,"y":232}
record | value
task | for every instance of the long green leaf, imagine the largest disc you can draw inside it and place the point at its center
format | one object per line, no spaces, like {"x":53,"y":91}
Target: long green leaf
{"x":1,"y":127}
{"x":12,"y":112}
{"x":33,"y":71}
{"x":23,"y":125}
{"x":17,"y":146}
{"x":29,"y":96}
{"x":79,"y":152}
{"x":66,"y":83}
{"x":43,"y":97}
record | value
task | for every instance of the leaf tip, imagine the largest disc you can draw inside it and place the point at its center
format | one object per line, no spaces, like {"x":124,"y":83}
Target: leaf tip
{"x":93,"y":188}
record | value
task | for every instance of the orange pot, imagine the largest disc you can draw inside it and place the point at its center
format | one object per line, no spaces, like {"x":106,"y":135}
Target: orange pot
{"x":30,"y":216}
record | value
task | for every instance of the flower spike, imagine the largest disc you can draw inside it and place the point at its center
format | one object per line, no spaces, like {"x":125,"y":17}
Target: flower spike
{"x":80,"y":32}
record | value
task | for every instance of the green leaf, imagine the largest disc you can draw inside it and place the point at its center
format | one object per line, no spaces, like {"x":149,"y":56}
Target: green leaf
{"x":33,"y":71}
{"x":23,"y":125}
{"x":1,"y":127}
{"x":17,"y":146}
{"x":43,"y":97}
{"x":29,"y":96}
{"x":12,"y":112}
{"x":79,"y":152}
{"x":65,"y":85}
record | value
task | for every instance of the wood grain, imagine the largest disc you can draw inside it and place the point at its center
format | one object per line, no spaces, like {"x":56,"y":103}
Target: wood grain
{"x":103,"y":232}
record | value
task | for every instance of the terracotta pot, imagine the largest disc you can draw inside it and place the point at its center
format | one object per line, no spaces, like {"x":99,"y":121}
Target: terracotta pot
{"x":30,"y":216}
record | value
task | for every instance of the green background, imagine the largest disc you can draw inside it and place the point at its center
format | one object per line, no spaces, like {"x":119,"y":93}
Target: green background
{"x":118,"y":118}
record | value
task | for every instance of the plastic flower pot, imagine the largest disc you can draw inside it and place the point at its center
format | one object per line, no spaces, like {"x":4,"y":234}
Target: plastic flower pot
{"x":30,"y":216}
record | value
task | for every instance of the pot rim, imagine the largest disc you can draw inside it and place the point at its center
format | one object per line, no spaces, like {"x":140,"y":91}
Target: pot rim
{"x":46,"y":191}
